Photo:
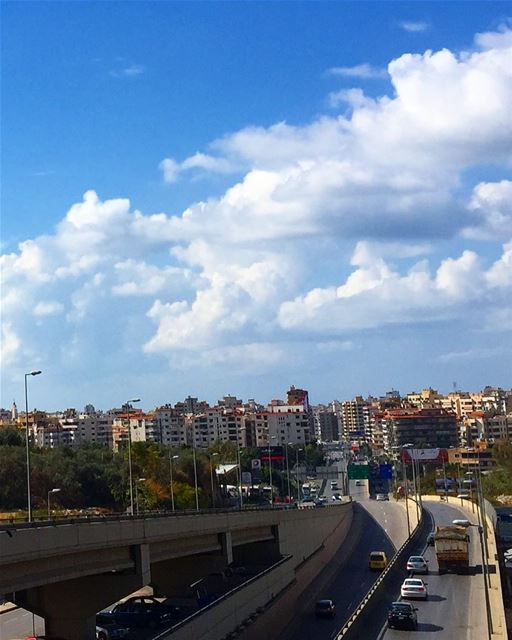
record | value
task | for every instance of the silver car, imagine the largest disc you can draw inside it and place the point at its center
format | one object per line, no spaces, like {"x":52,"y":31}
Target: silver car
{"x":417,"y":564}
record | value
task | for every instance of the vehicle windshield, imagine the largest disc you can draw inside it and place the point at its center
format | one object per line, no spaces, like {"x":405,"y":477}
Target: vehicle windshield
{"x":414,"y":583}
{"x":324,"y":604}
{"x":401,"y":608}
{"x":376,"y":556}
{"x":416,"y":559}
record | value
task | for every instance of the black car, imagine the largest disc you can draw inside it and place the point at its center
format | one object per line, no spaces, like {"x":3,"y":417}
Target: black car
{"x":402,"y":615}
{"x":139,"y":611}
{"x":325,"y":609}
{"x":431,"y":538}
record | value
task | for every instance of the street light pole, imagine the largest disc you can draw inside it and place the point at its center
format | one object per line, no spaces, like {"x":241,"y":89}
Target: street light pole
{"x":49,"y":493}
{"x":270,"y":438}
{"x":137,"y":494}
{"x":195,"y":475}
{"x":211,"y":478}
{"x":406,"y":490}
{"x":27,"y":445}
{"x":297,"y":473}
{"x":288,"y":472}
{"x":130,"y":470}
{"x":171,"y":458}
{"x":239,"y":472}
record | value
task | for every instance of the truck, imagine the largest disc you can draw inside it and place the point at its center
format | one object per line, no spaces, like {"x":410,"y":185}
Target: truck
{"x":451,"y":545}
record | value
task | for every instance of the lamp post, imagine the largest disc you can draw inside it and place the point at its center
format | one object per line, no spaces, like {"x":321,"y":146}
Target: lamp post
{"x":137,"y":494}
{"x":27,"y":444}
{"x":195,"y":476}
{"x":211,"y":478}
{"x":297,"y":472}
{"x":49,"y":494}
{"x":288,"y":471}
{"x":130,"y":470}
{"x":239,"y":473}
{"x":270,"y":438}
{"x":171,"y":458}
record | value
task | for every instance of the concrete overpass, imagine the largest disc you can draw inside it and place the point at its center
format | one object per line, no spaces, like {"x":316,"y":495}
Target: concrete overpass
{"x":68,"y":571}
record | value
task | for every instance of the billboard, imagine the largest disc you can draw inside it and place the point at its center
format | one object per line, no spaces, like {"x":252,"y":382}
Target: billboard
{"x":276,"y":453}
{"x":385,"y":471}
{"x":425,"y":455}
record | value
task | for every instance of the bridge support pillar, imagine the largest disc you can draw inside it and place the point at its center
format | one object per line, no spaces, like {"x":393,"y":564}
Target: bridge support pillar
{"x":69,"y":607}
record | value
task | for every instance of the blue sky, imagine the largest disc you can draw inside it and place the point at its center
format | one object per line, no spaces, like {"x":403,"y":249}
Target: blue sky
{"x":310,"y":193}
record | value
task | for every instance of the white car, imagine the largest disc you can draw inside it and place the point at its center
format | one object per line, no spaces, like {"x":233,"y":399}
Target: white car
{"x":414,"y":588}
{"x":381,"y":497}
{"x":417,"y":564}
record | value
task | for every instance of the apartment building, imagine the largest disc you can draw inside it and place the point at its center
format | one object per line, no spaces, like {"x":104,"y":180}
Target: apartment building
{"x":422,"y":427}
{"x":171,"y":425}
{"x":355,"y":419}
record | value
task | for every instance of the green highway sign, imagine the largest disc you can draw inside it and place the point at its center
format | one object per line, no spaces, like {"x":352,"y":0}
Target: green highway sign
{"x":358,"y":472}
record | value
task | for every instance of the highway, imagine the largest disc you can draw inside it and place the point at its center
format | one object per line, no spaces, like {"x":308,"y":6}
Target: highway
{"x":376,"y":526}
{"x":455,"y":609}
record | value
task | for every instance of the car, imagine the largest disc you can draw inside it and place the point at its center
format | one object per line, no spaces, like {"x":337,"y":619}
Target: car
{"x":336,"y":497}
{"x":382,"y":497}
{"x":431,"y":538}
{"x":414,"y":588}
{"x":138,"y":611}
{"x":325,"y":609}
{"x":402,"y":615}
{"x":463,"y":496}
{"x":111,"y":631}
{"x":417,"y":564}
{"x":359,"y":483}
{"x":378,"y":560}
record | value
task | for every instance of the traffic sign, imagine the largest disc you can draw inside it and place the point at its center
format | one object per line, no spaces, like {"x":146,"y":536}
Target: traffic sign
{"x":358,"y":472}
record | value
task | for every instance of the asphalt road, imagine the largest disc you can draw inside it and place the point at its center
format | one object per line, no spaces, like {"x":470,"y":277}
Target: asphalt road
{"x":18,"y":624}
{"x":455,"y":609}
{"x":353,"y":578}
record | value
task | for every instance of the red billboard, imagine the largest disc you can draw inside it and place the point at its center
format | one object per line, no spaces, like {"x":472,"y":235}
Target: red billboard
{"x":437,"y":455}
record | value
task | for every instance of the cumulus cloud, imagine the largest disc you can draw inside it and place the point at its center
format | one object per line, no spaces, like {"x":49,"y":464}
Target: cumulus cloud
{"x":491,"y":204}
{"x":375,"y":294}
{"x":327,"y":231}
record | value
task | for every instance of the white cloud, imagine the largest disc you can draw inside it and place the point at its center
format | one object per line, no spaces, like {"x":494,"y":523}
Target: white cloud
{"x":10,"y":344}
{"x":254,"y":265}
{"x":365,"y":71}
{"x":131,"y":71}
{"x":48,"y":308}
{"x":499,"y":39}
{"x":413,"y":26}
{"x":491,"y":204}
{"x":375,"y":294}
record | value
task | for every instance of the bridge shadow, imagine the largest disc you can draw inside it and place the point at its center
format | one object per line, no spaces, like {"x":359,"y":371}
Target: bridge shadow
{"x":427,"y":627}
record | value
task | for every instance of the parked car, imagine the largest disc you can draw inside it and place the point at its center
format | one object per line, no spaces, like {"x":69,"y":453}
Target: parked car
{"x":359,"y":483}
{"x":461,"y":523}
{"x":402,"y":615}
{"x":111,"y":631}
{"x":325,"y":609}
{"x":378,"y":560}
{"x":417,"y":564}
{"x":414,"y":588}
{"x":431,"y":538}
{"x":138,"y":611}
{"x":381,"y":497}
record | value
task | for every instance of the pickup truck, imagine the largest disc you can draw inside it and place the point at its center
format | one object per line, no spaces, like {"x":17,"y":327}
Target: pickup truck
{"x":451,"y":545}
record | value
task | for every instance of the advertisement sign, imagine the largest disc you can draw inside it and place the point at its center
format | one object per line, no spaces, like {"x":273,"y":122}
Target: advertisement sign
{"x":425,"y":455}
{"x":276,"y":453}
